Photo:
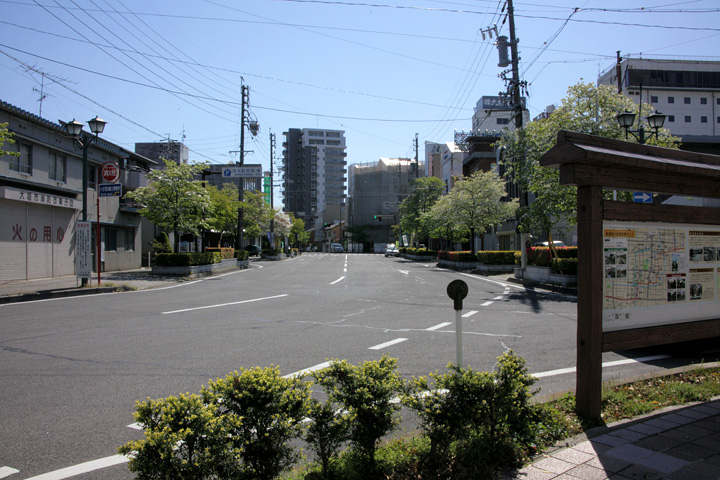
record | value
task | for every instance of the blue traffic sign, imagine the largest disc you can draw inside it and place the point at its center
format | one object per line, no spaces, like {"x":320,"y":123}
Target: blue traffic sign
{"x":110,"y":189}
{"x":642,"y":197}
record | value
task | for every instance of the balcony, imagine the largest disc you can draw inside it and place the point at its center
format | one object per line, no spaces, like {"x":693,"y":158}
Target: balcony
{"x":132,"y":178}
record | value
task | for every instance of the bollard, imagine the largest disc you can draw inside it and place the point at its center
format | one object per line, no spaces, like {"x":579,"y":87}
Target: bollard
{"x":458,"y":290}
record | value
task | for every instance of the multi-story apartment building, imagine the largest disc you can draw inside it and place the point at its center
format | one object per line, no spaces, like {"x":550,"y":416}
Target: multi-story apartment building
{"x":687,"y":91}
{"x":314,"y":174}
{"x":41,"y":200}
{"x":169,"y":150}
{"x":495,"y":114}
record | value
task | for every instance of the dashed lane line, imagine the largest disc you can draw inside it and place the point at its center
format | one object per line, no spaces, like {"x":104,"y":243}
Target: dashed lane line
{"x":438,"y":327}
{"x":469,"y":314}
{"x":83,"y":468}
{"x":7,"y":471}
{"x":387,"y":344}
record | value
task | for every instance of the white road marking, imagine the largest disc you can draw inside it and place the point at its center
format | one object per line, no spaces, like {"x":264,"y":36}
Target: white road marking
{"x":499,"y":297}
{"x":226,"y":304}
{"x":486,"y":303}
{"x":439,"y":326}
{"x":7,"y":471}
{"x":338,"y":280}
{"x":470,"y":313}
{"x":387,"y":344}
{"x":404,"y":272}
{"x":83,"y":468}
{"x":136,"y":426}
{"x":307,"y":371}
{"x":562,"y":371}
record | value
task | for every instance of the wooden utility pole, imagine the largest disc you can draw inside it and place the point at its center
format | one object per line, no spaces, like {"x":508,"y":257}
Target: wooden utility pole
{"x":241,"y":181}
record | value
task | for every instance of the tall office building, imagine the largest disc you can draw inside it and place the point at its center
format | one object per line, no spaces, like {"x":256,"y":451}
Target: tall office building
{"x":314,"y":175}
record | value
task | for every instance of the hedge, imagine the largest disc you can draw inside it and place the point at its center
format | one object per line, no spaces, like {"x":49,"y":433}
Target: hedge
{"x":225,"y":252}
{"x":498,"y":257}
{"x":421,"y":252}
{"x":565,"y":266}
{"x":242,"y":255}
{"x":186,"y":259}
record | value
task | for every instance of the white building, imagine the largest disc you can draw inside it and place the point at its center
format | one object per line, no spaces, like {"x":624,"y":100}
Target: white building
{"x":495,"y":114}
{"x":687,"y":91}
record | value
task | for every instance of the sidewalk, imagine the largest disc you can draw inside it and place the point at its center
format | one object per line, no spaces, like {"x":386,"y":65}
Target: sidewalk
{"x":69,"y":285}
{"x":676,"y":443}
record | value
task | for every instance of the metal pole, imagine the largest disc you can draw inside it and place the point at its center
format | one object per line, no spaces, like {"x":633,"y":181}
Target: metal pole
{"x":97,"y":231}
{"x":458,"y":337}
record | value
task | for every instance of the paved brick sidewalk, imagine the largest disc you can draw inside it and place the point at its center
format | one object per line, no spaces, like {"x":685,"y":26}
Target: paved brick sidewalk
{"x":677,"y":443}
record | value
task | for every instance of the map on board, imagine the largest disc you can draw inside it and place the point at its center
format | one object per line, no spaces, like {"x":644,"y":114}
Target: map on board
{"x":658,"y":273}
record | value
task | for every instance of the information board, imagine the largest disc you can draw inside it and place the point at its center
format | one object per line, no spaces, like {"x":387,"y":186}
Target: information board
{"x":659,"y":274}
{"x":83,"y":252}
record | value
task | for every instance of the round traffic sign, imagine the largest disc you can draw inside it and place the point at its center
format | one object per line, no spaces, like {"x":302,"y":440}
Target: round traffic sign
{"x":110,"y":172}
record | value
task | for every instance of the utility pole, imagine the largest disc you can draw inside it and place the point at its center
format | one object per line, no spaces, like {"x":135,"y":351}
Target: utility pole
{"x":241,"y":181}
{"x":618,"y":70}
{"x":417,"y":153}
{"x":272,"y":192}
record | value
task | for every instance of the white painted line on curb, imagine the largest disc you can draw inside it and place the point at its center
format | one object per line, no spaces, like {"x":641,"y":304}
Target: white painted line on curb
{"x":338,"y":280}
{"x":616,"y":363}
{"x":226,"y":304}
{"x":7,"y":471}
{"x":470,"y":313}
{"x":439,"y":326}
{"x":387,"y":344}
{"x":307,"y":371}
{"x":82,"y":468}
{"x":486,"y":304}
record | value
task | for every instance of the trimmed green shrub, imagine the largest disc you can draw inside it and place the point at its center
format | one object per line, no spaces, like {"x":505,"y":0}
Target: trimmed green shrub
{"x":499,"y":257}
{"x":566,"y":266}
{"x":366,"y":392}
{"x":242,"y":255}
{"x":462,"y":256}
{"x":272,"y":252}
{"x":326,"y":433}
{"x":443,"y":255}
{"x":162,"y":244}
{"x":184,"y":438}
{"x":265,"y":412}
{"x":225,"y":252}
{"x":421,"y":252}
{"x":186,"y":259}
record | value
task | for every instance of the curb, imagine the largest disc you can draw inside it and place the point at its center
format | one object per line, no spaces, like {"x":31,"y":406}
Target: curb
{"x":61,"y":293}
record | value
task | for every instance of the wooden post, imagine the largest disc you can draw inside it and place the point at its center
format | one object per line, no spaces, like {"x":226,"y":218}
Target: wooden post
{"x":590,"y":298}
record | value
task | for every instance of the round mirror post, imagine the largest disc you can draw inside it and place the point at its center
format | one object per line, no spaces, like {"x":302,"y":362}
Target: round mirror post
{"x":458,"y":290}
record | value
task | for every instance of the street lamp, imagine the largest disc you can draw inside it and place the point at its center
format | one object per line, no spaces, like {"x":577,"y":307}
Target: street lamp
{"x":655,"y":121}
{"x":75,"y":129}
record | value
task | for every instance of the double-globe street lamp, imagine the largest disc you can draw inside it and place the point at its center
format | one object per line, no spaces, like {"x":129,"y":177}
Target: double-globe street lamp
{"x":627,"y":118}
{"x":75,"y":129}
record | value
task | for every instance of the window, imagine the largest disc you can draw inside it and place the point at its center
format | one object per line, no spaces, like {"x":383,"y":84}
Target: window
{"x":703,"y":119}
{"x":688,"y":119}
{"x":92,"y":177}
{"x":129,"y":240}
{"x":23,"y":162}
{"x":503,"y":121}
{"x":57,"y":167}
{"x":653,"y":99}
{"x":703,"y":101}
{"x":671,"y":99}
{"x":110,"y":240}
{"x":687,"y":100}
{"x":671,"y":118}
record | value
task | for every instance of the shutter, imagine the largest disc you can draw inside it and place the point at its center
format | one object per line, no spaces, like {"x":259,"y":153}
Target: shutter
{"x":39,"y":241}
{"x":13,"y":236}
{"x":62,"y":236}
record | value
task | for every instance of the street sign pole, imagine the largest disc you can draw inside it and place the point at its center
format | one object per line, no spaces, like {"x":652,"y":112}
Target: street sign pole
{"x":458,"y":290}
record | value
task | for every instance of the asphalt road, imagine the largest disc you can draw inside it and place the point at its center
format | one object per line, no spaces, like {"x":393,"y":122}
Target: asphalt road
{"x":72,"y":369}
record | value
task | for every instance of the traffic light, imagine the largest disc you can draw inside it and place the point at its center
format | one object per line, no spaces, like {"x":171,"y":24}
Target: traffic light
{"x":378,"y":218}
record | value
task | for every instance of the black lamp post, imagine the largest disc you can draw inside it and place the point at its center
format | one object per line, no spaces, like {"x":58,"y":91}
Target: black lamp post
{"x":627,"y":118}
{"x":74,"y":128}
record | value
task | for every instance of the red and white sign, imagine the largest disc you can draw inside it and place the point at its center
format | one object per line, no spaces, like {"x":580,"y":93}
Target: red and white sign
{"x":110,"y":172}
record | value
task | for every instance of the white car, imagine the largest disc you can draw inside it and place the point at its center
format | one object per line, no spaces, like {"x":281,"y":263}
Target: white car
{"x":336,"y":248}
{"x":392,"y":251}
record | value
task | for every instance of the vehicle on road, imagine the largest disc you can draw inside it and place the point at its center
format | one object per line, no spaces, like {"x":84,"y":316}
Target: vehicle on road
{"x":392,"y":251}
{"x":556,"y":243}
{"x":336,"y":248}
{"x":253,"y":250}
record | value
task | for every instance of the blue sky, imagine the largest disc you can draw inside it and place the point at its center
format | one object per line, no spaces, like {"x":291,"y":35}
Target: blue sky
{"x":380,"y":70}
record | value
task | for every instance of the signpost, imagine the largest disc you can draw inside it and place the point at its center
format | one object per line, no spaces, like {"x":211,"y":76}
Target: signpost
{"x":110,"y":189}
{"x":83,"y":241}
{"x":110,"y":172}
{"x":642,"y":197}
{"x":245,"y":172}
{"x":458,"y":290}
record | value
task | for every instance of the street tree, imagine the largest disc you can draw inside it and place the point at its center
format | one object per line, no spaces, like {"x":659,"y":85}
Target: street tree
{"x":442,"y":223}
{"x":297,"y":230}
{"x":426,"y":191}
{"x":587,"y":108}
{"x":477,"y":202}
{"x":174,"y":200}
{"x":224,"y":210}
{"x":256,"y":214}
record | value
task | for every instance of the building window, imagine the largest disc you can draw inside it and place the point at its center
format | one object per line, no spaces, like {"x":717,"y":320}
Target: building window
{"x":703,"y":119}
{"x":671,"y":118}
{"x":23,"y":162}
{"x":671,"y":99}
{"x":317,"y":142}
{"x":92,"y":177}
{"x":503,"y":121}
{"x":57,"y":167}
{"x":703,"y":101}
{"x":653,"y":99}
{"x":687,"y":100}
{"x":688,"y":119}
{"x":110,"y":240}
{"x":130,"y":240}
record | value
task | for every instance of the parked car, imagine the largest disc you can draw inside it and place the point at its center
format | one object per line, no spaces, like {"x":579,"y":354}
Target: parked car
{"x":253,"y":250}
{"x":557,"y":243}
{"x":336,"y":248}
{"x":392,"y":251}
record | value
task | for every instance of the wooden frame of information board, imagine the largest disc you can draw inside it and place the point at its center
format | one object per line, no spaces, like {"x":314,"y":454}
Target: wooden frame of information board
{"x":594,"y":164}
